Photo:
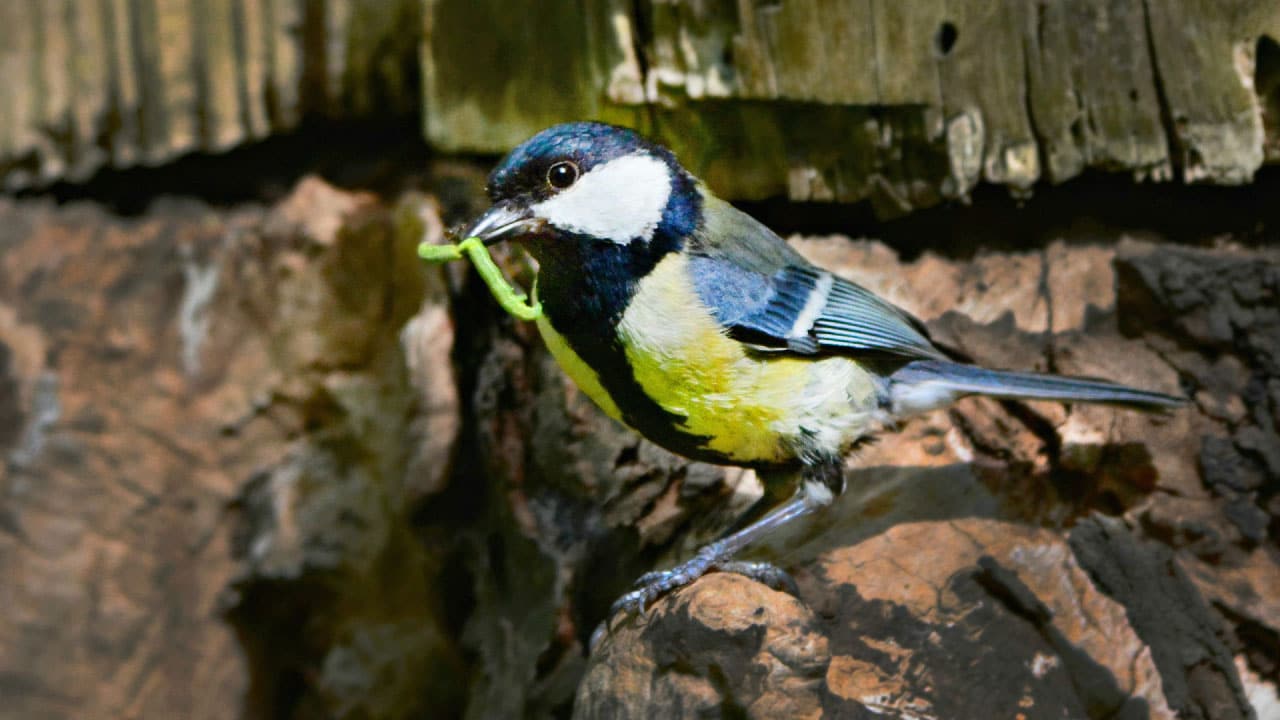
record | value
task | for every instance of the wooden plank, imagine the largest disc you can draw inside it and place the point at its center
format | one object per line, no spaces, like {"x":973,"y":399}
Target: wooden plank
{"x":1260,"y":22}
{"x":1055,"y":101}
{"x":252,"y":63}
{"x":963,"y":90}
{"x":1206,"y":79}
{"x":809,"y":50}
{"x":1122,"y":126}
{"x":144,"y":59}
{"x":689,"y":51}
{"x":123,"y":108}
{"x":905,"y":63}
{"x":980,"y":45}
{"x":804,"y":151}
{"x":219,"y":114}
{"x":175,"y":25}
{"x":123,"y":82}
{"x":918,"y":101}
{"x":88,"y":75}
{"x":17,"y":50}
{"x":534,"y":64}
{"x":372,"y":28}
{"x":54,"y":98}
{"x":282,"y":20}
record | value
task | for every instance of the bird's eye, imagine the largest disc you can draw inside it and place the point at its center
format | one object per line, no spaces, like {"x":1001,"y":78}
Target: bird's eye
{"x":562,"y":175}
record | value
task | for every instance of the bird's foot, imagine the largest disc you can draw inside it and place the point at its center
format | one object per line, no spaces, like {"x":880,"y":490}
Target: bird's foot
{"x":763,"y":573}
{"x":652,"y":585}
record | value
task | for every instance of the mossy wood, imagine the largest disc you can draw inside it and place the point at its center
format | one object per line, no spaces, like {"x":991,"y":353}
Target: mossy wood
{"x":93,"y":83}
{"x":905,"y":103}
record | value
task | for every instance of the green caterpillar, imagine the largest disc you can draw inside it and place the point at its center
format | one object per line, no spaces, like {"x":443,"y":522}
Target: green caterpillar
{"x":511,"y":299}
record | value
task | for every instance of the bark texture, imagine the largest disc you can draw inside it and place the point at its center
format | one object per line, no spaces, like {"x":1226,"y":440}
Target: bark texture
{"x":215,"y":423}
{"x":251,"y":472}
{"x":1015,"y":560}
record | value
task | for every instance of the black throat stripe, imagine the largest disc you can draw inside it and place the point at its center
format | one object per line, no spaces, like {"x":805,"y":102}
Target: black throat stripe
{"x":585,"y":286}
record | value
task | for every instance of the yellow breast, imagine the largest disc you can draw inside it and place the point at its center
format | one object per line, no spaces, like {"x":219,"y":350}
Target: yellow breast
{"x":575,"y":368}
{"x":754,"y":407}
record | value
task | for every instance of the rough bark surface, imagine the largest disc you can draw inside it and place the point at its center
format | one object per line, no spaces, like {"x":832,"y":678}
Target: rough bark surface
{"x":214,"y":429}
{"x":250,"y":472}
{"x":259,"y":463}
{"x":1018,"y":560}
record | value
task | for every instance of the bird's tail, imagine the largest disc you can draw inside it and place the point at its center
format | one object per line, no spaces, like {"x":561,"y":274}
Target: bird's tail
{"x":925,"y":384}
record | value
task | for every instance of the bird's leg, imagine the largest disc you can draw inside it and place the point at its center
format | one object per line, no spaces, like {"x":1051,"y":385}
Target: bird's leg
{"x":819,"y":484}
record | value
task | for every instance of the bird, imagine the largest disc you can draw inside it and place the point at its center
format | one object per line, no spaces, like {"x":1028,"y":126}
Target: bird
{"x":697,"y":326}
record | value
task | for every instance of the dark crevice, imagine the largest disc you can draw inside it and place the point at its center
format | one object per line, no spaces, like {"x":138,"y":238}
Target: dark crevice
{"x":1167,"y":612}
{"x":730,"y":708}
{"x":71,"y":121}
{"x":271,"y":96}
{"x":384,"y":156}
{"x":110,"y":124}
{"x":945,"y":39}
{"x":200,"y":72}
{"x":1266,"y":83}
{"x":641,"y":41}
{"x":1176,"y":151}
{"x":1038,"y":425}
{"x":1042,"y":144}
{"x":1040,"y":24}
{"x":642,"y":38}
{"x":150,"y":119}
{"x":1095,"y":686}
{"x":1259,"y":644}
{"x":1094,"y":205}
{"x":314,"y":83}
{"x":12,"y":415}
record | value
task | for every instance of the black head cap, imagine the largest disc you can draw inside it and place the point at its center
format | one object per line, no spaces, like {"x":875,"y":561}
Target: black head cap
{"x":523,"y":172}
{"x":536,"y":189}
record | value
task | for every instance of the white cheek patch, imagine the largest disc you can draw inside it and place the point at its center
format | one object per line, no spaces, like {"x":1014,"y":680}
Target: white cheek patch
{"x":620,"y":201}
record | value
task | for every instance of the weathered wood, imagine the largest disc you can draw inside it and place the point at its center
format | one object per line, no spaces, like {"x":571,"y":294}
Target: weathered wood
{"x":903,"y":103}
{"x":496,"y":74}
{"x":1215,"y":114}
{"x":121,"y":82}
{"x":915,"y":101}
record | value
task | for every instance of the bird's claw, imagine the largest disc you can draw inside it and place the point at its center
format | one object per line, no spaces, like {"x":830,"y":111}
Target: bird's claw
{"x":652,"y":585}
{"x":764,"y":573}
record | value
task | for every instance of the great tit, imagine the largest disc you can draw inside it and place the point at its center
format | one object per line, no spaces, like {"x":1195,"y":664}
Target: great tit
{"x":701,"y":329}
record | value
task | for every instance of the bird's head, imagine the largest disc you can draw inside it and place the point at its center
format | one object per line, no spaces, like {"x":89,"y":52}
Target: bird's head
{"x":588,"y":182}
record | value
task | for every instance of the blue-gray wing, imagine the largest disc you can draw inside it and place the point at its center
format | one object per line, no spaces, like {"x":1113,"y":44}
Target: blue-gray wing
{"x":804,"y":310}
{"x":769,"y":296}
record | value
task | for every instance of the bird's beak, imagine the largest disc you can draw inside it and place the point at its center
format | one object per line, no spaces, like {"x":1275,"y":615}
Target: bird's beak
{"x":502,"y":221}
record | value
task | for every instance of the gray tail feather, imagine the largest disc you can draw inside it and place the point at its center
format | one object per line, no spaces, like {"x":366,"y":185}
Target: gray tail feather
{"x":969,"y":379}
